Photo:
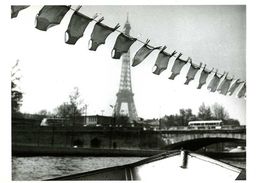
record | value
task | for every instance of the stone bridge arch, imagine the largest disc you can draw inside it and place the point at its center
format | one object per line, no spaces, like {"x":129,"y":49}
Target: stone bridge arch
{"x":196,"y":144}
{"x":194,"y":140}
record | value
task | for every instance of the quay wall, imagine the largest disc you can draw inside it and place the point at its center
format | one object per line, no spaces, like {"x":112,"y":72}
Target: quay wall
{"x":109,"y":138}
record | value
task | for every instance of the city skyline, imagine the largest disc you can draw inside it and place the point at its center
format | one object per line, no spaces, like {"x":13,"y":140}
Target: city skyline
{"x":62,"y":67}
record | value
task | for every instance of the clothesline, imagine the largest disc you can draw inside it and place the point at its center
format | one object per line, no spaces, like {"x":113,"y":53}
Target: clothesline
{"x":102,"y":18}
{"x":52,"y":15}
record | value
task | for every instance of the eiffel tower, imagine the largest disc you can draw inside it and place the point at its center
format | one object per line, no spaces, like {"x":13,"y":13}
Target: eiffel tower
{"x":125,"y":94}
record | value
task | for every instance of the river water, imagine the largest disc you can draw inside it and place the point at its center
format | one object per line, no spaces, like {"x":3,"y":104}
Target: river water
{"x":45,"y":167}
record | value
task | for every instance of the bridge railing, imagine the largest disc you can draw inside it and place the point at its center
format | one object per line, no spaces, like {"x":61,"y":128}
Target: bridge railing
{"x":224,"y":127}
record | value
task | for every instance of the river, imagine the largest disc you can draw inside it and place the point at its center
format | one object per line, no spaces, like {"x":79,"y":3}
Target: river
{"x":45,"y":167}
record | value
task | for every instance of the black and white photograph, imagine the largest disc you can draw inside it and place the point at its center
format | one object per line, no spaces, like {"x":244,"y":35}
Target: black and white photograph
{"x":128,"y":92}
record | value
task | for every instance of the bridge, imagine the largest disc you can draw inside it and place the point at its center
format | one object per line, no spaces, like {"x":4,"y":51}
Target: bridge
{"x":196,"y":139}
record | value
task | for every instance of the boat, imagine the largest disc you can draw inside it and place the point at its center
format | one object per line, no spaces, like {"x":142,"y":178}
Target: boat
{"x":224,"y":155}
{"x":238,"y":149}
{"x":178,"y":165}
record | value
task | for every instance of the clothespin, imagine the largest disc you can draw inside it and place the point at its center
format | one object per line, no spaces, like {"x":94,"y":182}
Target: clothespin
{"x":230,"y":78}
{"x":180,"y":54}
{"x":117,"y":26}
{"x":157,"y":47}
{"x":147,"y":41}
{"x":197,"y":66}
{"x":173,"y":53}
{"x":226,"y":75}
{"x":100,"y":20}
{"x":77,"y":9}
{"x":164,"y":47}
{"x":221,"y":75}
{"x":95,"y":16}
{"x":17,"y":62}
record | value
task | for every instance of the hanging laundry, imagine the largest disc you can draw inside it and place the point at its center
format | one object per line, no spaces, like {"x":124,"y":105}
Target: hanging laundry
{"x":16,"y":9}
{"x":192,"y":72}
{"x":77,"y":26}
{"x":234,"y":86}
{"x":162,"y":61}
{"x":99,"y":35}
{"x":177,"y":66}
{"x":203,"y":77}
{"x":142,"y":53}
{"x":50,"y":16}
{"x":224,"y":86}
{"x":213,"y":85}
{"x":122,"y":45}
{"x":242,"y":92}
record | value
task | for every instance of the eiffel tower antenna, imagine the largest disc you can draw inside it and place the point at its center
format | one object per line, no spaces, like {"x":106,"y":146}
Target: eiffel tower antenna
{"x":127,"y":17}
{"x":125,"y":93}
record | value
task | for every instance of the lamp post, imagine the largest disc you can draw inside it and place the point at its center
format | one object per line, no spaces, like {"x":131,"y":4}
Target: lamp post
{"x":114,"y":114}
{"x":85,"y":107}
{"x":113,"y":125}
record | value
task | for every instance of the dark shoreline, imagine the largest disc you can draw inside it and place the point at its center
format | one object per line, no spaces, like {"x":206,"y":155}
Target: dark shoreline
{"x":27,"y":151}
{"x":24,"y":151}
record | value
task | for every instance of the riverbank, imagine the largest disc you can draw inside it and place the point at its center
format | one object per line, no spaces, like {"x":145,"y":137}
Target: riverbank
{"x":27,"y":150}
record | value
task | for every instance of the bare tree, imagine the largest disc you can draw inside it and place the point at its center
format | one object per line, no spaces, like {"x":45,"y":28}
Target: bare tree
{"x":204,"y":112}
{"x":16,"y":94}
{"x":219,"y":112}
{"x":76,"y":102}
{"x":72,"y":109}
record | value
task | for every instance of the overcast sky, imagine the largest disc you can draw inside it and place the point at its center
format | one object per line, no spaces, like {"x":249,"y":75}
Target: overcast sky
{"x":213,"y":35}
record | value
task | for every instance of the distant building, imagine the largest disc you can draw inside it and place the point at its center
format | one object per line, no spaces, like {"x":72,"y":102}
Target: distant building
{"x":152,"y":124}
{"x":97,"y":120}
{"x":93,"y":120}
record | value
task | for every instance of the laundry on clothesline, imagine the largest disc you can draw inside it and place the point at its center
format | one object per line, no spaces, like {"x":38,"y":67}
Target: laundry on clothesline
{"x":213,"y":85}
{"x":192,"y":72}
{"x":203,"y":77}
{"x":100,"y":34}
{"x":16,"y":9}
{"x":234,"y":86}
{"x":224,"y":85}
{"x":242,"y":92}
{"x":162,"y":61}
{"x":76,"y":28}
{"x":178,"y":65}
{"x":50,"y":16}
{"x":122,"y":45}
{"x":143,"y":52}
